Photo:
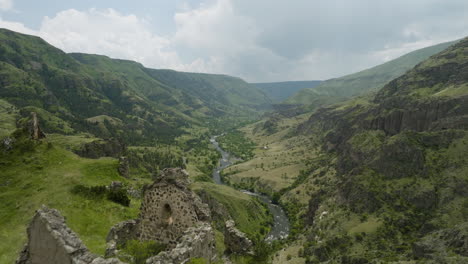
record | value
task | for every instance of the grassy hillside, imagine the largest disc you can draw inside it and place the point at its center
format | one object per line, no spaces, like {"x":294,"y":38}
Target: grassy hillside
{"x":386,"y":181}
{"x":280,"y":91}
{"x":369,"y":80}
{"x":91,"y":104}
{"x":152,"y":105}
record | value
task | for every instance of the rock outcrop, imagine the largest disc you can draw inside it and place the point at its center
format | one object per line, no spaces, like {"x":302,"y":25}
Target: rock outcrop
{"x":34,"y":128}
{"x":235,"y":240}
{"x":51,"y":241}
{"x":196,"y":242}
{"x":124,"y":167}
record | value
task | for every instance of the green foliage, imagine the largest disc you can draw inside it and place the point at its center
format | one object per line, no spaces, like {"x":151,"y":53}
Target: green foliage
{"x":141,"y":250}
{"x":249,"y":214}
{"x":153,"y":106}
{"x":237,"y":144}
{"x":119,"y":196}
{"x":92,"y":192}
{"x":98,"y":192}
{"x":149,"y":160}
{"x":197,"y":261}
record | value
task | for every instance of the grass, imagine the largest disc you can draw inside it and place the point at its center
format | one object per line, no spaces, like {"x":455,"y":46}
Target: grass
{"x":248,"y":213}
{"x":277,"y":159}
{"x":8,"y":116}
{"x":45,"y":175}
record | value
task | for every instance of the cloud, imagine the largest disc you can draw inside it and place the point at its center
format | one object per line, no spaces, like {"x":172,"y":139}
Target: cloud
{"x":6,"y":5}
{"x":267,"y":40}
{"x":262,"y":40}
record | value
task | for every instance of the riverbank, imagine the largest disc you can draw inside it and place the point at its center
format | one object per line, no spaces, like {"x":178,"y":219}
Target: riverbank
{"x":280,"y":229}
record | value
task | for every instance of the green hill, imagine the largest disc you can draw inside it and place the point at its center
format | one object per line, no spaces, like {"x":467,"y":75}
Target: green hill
{"x":152,"y":104}
{"x":93,"y":111}
{"x":335,"y":90}
{"x":280,"y":91}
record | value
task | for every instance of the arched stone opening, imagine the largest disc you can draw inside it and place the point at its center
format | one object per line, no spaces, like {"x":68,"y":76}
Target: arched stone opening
{"x":167,"y":214}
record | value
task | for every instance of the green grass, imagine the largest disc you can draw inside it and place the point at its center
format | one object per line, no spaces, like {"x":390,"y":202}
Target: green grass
{"x":8,"y":116}
{"x":248,"y":213}
{"x":44,"y":175}
{"x":70,"y":142}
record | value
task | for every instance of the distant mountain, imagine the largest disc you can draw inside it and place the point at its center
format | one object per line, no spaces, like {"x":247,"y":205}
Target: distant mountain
{"x":110,"y":97}
{"x":359,"y":83}
{"x":280,"y":91}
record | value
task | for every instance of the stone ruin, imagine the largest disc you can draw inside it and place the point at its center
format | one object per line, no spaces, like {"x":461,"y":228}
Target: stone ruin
{"x":50,"y":241}
{"x":169,"y":208}
{"x":171,"y":214}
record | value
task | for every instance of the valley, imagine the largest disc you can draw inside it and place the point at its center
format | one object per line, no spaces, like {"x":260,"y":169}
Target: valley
{"x":366,"y":168}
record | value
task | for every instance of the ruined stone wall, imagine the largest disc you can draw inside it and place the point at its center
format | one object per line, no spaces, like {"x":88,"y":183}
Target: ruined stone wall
{"x":196,"y":242}
{"x":51,"y":241}
{"x":165,"y":213}
{"x":169,"y":208}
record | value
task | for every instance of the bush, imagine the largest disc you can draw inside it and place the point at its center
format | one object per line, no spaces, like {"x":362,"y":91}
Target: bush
{"x":119,"y":196}
{"x":142,"y":250}
{"x":90,"y":192}
{"x":98,"y":192}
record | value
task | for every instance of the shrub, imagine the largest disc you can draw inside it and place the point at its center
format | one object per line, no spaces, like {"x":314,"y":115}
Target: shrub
{"x":119,"y":196}
{"x":98,"y":192}
{"x":142,"y":250}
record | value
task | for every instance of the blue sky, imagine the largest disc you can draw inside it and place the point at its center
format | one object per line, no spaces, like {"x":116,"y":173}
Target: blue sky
{"x":258,"y":40}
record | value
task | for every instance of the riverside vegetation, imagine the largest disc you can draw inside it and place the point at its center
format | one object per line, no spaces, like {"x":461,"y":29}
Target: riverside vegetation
{"x":370,"y":167}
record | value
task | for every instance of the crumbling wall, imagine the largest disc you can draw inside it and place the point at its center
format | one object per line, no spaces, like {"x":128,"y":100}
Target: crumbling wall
{"x":196,"y":242}
{"x":50,"y":241}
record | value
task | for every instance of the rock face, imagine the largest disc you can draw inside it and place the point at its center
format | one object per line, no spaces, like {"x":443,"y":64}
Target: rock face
{"x":34,"y":128}
{"x":196,"y":242}
{"x":124,"y":167}
{"x":169,"y":208}
{"x":51,"y":241}
{"x":236,"y":241}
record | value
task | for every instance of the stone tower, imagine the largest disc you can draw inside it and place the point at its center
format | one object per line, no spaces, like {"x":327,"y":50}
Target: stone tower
{"x":169,"y":208}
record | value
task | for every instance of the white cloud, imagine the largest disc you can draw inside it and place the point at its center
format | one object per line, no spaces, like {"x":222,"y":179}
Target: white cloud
{"x":111,"y":33}
{"x":105,"y":32}
{"x":6,"y":5}
{"x":262,"y":40}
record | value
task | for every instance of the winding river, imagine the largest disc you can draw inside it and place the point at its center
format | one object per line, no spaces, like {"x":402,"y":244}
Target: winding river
{"x":280,"y":228}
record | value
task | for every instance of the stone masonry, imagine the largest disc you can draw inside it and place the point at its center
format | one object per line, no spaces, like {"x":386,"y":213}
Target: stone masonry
{"x":50,"y":241}
{"x":169,"y":208}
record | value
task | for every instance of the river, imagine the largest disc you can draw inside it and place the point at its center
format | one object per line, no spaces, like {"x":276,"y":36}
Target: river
{"x":280,"y":228}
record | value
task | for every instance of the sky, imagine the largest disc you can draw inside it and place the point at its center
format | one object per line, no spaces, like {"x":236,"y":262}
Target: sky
{"x":257,"y":40}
